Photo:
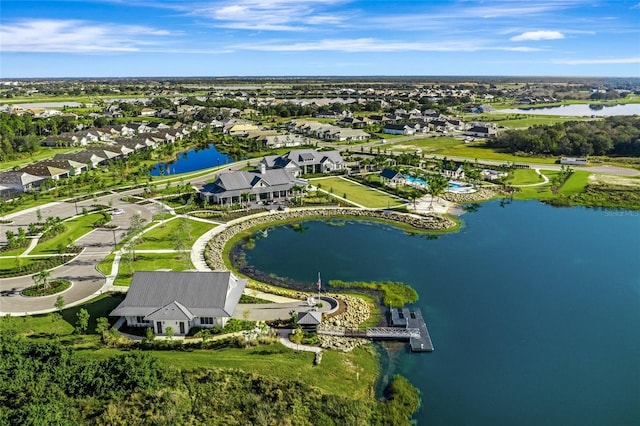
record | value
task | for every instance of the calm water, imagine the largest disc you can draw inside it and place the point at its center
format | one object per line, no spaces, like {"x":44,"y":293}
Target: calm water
{"x":534,"y":311}
{"x":582,"y":110}
{"x":193,"y":160}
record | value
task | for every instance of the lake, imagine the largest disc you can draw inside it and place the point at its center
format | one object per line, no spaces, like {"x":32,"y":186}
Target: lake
{"x":579,"y":110}
{"x":192,"y":160}
{"x":534,"y":311}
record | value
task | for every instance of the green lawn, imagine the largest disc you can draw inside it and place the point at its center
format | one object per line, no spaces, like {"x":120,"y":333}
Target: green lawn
{"x":151,"y":262}
{"x":51,"y":325}
{"x":576,"y":183}
{"x":337,"y":374}
{"x":13,"y":252}
{"x":518,"y":121}
{"x":457,"y":148}
{"x":11,"y":263}
{"x":357,"y":193}
{"x":161,"y":237}
{"x":525,"y":177}
{"x":75,"y":229}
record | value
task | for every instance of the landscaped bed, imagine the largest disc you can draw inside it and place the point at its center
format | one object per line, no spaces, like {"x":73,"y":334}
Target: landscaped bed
{"x":51,"y":287}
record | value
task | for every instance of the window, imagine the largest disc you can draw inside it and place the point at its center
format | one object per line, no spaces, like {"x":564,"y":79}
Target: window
{"x":140,"y":320}
{"x":181,"y":327}
{"x":206,"y":321}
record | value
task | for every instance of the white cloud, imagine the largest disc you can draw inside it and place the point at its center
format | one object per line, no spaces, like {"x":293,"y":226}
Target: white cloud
{"x":268,"y":15}
{"x":632,"y":60}
{"x":376,"y":45}
{"x":538,"y":35}
{"x":75,"y":36}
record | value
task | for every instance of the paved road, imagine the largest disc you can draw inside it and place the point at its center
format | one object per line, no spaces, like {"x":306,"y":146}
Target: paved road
{"x":85,"y":278}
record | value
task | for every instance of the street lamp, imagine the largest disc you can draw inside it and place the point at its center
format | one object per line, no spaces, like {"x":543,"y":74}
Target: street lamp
{"x":114,"y":237}
{"x":75,"y":201}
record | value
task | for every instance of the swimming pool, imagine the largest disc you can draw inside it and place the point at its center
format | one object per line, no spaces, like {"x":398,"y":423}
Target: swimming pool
{"x":455,"y":187}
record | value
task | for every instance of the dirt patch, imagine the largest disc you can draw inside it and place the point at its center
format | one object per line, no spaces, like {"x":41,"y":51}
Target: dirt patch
{"x":599,"y":179}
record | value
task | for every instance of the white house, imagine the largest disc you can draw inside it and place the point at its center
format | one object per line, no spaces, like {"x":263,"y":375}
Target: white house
{"x":180,"y":300}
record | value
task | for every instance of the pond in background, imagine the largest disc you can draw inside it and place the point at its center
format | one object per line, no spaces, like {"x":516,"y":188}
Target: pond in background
{"x":191,"y":161}
{"x":579,"y":110}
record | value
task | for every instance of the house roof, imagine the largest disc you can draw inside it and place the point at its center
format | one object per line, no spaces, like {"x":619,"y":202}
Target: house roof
{"x":180,"y":295}
{"x":19,"y":178}
{"x":310,"y":318}
{"x":389,"y":174}
{"x":172,"y":311}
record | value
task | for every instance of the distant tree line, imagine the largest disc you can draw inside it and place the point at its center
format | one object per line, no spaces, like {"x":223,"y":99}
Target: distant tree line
{"x":614,"y":136}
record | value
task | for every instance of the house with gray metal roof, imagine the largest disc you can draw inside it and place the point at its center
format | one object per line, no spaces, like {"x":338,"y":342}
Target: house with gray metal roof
{"x":262,"y":185}
{"x":303,"y":161}
{"x":180,"y":300}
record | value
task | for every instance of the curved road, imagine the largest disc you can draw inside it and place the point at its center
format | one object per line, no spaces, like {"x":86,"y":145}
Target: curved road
{"x":81,"y":271}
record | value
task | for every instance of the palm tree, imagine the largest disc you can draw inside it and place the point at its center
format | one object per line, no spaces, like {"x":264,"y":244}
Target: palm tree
{"x":436,"y":187}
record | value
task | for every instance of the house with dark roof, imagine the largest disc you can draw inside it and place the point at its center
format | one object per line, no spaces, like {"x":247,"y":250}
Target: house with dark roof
{"x":482,"y":131}
{"x":46,"y":171}
{"x":261,"y":185}
{"x":304,"y":161}
{"x":90,"y":158}
{"x":180,"y":300}
{"x":398,"y":129}
{"x":11,"y":181}
{"x":453,"y":169}
{"x":390,"y":176}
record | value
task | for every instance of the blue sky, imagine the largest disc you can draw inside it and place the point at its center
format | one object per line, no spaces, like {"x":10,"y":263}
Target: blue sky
{"x":122,"y":38}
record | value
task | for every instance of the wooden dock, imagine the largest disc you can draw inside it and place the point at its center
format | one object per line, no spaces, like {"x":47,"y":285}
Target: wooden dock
{"x":405,"y":325}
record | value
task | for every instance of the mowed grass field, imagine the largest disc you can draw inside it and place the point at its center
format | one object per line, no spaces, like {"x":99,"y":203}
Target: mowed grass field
{"x":575,"y":184}
{"x":357,"y":193}
{"x":456,"y":148}
{"x":160,"y":237}
{"x":150,"y":262}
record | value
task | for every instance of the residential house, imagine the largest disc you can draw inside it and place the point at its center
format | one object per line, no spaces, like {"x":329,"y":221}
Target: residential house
{"x":46,"y":171}
{"x":19,"y":181}
{"x":90,"y":158}
{"x":304,"y":161}
{"x":392,"y":177}
{"x":282,"y":141}
{"x":398,"y":129}
{"x":453,"y":170}
{"x":74,"y":167}
{"x":180,"y":300}
{"x":489,"y":174}
{"x":262,"y":185}
{"x":482,"y":131}
{"x":58,"y":140}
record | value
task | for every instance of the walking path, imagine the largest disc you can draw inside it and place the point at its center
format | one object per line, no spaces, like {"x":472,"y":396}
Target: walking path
{"x":544,"y":177}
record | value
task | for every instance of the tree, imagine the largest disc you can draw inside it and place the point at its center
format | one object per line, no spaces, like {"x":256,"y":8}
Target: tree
{"x":82,"y":322}
{"x":41,"y":278}
{"x":170,"y":333}
{"x":137,"y":223}
{"x":181,"y":236}
{"x":59,"y":305}
{"x":436,"y":187}
{"x":102,"y":325}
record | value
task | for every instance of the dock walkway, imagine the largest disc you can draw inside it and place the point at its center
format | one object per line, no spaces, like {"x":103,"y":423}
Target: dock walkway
{"x":406,"y":325}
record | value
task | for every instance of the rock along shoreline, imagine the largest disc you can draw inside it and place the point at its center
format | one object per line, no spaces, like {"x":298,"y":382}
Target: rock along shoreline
{"x":215,"y":246}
